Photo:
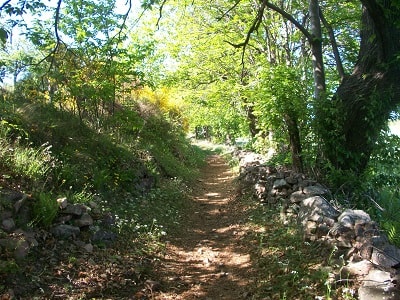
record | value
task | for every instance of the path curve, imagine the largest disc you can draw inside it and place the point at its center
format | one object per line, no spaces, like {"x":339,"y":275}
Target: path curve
{"x":209,"y":258}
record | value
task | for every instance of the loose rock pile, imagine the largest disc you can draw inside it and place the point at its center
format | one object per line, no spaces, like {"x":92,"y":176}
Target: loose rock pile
{"x":18,"y":237}
{"x":369,"y":256}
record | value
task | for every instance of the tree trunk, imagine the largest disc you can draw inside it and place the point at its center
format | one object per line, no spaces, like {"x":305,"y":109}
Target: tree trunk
{"x":295,"y":142}
{"x":252,"y":119}
{"x":316,"y":50}
{"x":365,"y":99}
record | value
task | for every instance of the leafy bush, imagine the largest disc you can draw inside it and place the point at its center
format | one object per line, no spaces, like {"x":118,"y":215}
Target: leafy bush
{"x":384,"y":166}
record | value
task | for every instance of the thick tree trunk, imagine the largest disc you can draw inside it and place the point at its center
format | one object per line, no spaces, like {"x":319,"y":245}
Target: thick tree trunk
{"x":365,"y":99}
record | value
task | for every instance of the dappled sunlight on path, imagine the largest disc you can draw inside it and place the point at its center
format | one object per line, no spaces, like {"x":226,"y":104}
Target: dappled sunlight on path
{"x":208,"y":259}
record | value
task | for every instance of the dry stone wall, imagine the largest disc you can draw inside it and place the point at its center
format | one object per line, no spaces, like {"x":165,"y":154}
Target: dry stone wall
{"x":18,"y":239}
{"x":369,"y":256}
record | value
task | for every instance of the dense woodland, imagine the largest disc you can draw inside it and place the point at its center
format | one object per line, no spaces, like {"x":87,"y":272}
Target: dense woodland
{"x":99,"y":97}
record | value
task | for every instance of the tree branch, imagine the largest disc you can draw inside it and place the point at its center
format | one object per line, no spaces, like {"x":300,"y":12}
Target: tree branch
{"x":56,"y":21}
{"x":332,"y":39}
{"x":129,"y":2}
{"x":256,"y":23}
{"x":229,"y":10}
{"x":234,"y":45}
{"x":58,"y":39}
{"x":160,"y":15}
{"x":289,"y":17}
{"x":4,"y":4}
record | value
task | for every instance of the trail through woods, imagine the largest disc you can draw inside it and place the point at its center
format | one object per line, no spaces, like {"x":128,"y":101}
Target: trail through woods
{"x":209,"y":258}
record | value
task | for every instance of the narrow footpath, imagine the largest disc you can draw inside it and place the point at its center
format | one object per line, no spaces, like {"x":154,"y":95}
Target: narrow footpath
{"x":209,"y":258}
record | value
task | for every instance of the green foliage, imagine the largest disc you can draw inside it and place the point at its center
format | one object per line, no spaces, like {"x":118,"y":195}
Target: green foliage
{"x":279,"y":101}
{"x":383,"y":169}
{"x":291,"y":267}
{"x":8,"y":267}
{"x":132,"y":143}
{"x":388,"y":213}
{"x":45,"y":208}
{"x":376,"y":190}
{"x":33,"y":163}
{"x":149,"y":217}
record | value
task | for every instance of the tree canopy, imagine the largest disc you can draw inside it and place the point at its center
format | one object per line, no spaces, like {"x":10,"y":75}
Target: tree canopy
{"x":315,"y":80}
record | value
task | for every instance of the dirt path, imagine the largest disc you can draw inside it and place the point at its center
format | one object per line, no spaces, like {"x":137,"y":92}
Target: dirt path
{"x":209,"y":258}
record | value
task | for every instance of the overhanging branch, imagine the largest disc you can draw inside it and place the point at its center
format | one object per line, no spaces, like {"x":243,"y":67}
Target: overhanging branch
{"x":257,"y":21}
{"x":229,"y":10}
{"x":160,"y":13}
{"x":289,"y":17}
{"x":254,"y":26}
{"x":332,"y":39}
{"x":4,"y":4}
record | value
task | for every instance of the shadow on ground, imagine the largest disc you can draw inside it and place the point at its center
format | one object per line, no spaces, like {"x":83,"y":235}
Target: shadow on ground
{"x":209,"y":258}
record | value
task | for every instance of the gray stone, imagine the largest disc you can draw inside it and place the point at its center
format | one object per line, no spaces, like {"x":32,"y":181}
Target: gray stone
{"x":65,"y":231}
{"x":9,"y":244}
{"x":316,"y":208}
{"x":344,"y":241}
{"x":8,"y":225}
{"x":297,"y":197}
{"x":291,"y":180}
{"x":84,"y":220}
{"x":88,"y":248}
{"x":93,"y":205}
{"x":6,"y":215}
{"x":379,"y":241}
{"x":386,"y":257}
{"x":314,"y":190}
{"x":377,"y":285}
{"x":328,"y":221}
{"x":62,"y":202}
{"x":349,"y":217}
{"x":322,"y":230}
{"x":307,"y":182}
{"x":19,"y":203}
{"x":64,"y":219}
{"x":22,"y":250}
{"x":260,"y":190}
{"x":74,"y":209}
{"x":11,"y":195}
{"x":28,"y":236}
{"x":311,"y":227}
{"x":360,"y":268}
{"x":340,"y":230}
{"x":280,"y":184}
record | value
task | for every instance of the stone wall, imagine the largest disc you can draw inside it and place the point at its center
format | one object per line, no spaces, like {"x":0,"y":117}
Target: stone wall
{"x":368,"y":255}
{"x":18,"y":237}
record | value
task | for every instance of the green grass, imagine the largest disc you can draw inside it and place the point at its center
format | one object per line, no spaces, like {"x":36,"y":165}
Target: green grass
{"x":52,"y":154}
{"x":45,"y":209}
{"x":289,"y":267}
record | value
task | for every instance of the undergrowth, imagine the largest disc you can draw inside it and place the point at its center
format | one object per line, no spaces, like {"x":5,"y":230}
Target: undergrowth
{"x":289,"y":266}
{"x":136,"y":167}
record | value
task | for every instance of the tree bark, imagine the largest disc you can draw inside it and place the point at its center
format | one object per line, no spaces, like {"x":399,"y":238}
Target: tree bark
{"x":294,"y":142}
{"x":252,"y":122}
{"x":365,"y":99}
{"x":316,"y":50}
